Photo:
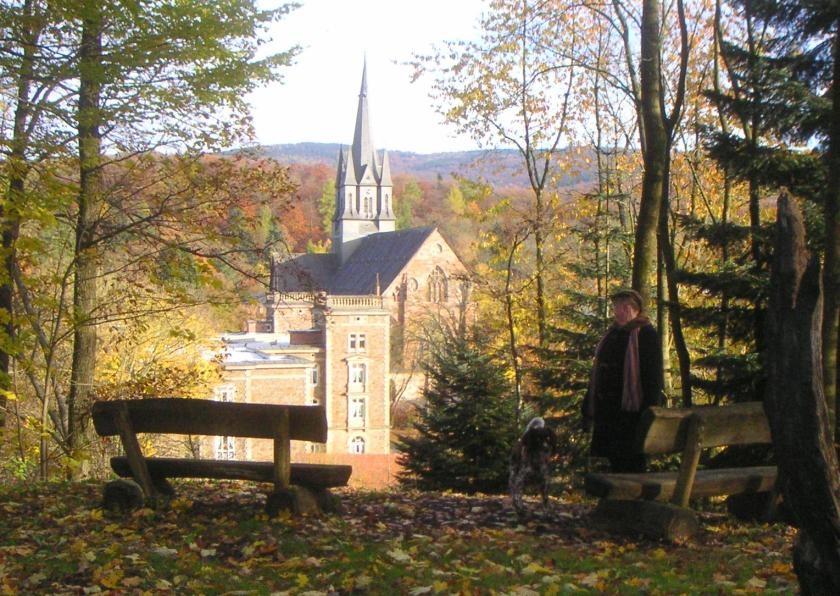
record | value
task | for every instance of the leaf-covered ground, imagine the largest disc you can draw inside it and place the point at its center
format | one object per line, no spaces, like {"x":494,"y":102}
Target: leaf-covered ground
{"x":214,"y":538}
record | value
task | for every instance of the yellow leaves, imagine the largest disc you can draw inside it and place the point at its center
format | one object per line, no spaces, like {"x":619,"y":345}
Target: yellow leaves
{"x":595,"y":580}
{"x":108,"y":576}
{"x":637,"y":583}
{"x":181,"y":504}
{"x":533,"y":568}
{"x":399,"y":556}
{"x":781,"y":567}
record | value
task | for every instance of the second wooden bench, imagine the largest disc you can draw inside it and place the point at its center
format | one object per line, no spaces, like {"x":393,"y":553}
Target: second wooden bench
{"x":656,"y":503}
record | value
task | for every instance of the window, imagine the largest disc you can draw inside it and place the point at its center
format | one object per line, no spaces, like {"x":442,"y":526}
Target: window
{"x":437,"y":286}
{"x":314,"y":447}
{"x":224,"y":393}
{"x":357,"y":445}
{"x":358,"y":376}
{"x":357,"y":411}
{"x":357,"y":342}
{"x":313,"y":376}
{"x":225,"y":448}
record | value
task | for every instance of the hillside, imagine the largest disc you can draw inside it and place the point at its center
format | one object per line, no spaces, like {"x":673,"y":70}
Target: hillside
{"x":502,"y":167}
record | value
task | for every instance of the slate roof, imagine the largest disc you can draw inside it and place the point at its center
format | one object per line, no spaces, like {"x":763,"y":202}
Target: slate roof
{"x":383,"y":253}
{"x":304,"y":273}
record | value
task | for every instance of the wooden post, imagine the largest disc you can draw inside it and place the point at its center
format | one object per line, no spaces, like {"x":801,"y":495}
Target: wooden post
{"x":133,"y":453}
{"x":282,"y":447}
{"x":690,"y":459}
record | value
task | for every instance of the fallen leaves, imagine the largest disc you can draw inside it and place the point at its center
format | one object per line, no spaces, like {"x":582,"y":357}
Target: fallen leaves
{"x":215,"y":538}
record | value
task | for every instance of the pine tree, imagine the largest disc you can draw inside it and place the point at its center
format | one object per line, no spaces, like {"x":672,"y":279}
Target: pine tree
{"x":768,"y":115}
{"x":466,"y":424}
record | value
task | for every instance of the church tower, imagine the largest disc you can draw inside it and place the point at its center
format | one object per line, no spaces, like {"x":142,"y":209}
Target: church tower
{"x":363,"y":202}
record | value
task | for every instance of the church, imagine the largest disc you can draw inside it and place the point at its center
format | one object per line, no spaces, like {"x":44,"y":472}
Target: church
{"x":339,"y":327}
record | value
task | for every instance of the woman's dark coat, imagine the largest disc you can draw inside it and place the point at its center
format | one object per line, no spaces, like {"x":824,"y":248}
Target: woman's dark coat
{"x":614,"y":430}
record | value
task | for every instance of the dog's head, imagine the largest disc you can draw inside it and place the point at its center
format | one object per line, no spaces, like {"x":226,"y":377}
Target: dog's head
{"x":538,"y":437}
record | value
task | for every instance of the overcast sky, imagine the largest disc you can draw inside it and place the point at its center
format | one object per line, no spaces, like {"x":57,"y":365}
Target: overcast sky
{"x":318,"y":98}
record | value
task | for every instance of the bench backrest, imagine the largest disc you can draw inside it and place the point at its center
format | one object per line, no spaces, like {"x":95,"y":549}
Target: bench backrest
{"x":209,"y":417}
{"x":663,"y":430}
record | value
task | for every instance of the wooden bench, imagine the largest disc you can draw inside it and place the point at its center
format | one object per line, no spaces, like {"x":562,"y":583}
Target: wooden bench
{"x":281,"y":423}
{"x":656,"y":503}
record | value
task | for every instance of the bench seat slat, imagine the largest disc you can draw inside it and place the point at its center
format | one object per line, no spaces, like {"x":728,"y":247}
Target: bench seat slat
{"x":309,"y":475}
{"x":169,"y":415}
{"x":659,"y":486}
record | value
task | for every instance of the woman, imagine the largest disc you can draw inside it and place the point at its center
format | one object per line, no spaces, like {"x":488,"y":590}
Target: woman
{"x":626,"y":379}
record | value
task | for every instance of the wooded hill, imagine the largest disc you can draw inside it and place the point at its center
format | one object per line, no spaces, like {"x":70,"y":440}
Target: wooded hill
{"x":499,"y":167}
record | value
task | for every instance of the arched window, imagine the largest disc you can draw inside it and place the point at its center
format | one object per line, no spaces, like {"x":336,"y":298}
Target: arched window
{"x":437,"y":286}
{"x":357,"y":445}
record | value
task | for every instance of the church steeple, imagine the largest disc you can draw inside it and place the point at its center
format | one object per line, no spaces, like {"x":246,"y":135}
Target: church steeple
{"x":364,"y":154}
{"x":363,"y":187}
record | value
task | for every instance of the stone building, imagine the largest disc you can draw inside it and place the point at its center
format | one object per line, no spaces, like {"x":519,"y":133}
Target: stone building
{"x":338,"y":326}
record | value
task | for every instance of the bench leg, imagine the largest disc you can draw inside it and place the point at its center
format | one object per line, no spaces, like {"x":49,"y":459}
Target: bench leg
{"x":122,"y":496}
{"x":297,"y":500}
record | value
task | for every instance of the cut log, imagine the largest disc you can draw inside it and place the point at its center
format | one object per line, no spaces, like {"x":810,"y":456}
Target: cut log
{"x":310,"y":475}
{"x":661,"y":521}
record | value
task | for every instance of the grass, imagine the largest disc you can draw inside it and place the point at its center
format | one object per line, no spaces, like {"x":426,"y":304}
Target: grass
{"x":214,"y":538}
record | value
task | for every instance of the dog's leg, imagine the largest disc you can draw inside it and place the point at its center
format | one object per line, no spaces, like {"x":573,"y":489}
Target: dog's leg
{"x":545,"y":470}
{"x":515,"y":491}
{"x":516,"y":485}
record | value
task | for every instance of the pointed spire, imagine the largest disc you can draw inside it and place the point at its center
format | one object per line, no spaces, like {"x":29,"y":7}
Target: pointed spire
{"x":385,"y":176}
{"x":363,"y":88}
{"x":339,"y":178}
{"x":364,"y":156}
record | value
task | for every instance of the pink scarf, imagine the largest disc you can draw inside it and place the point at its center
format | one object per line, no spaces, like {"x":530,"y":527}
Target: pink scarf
{"x":631,"y":394}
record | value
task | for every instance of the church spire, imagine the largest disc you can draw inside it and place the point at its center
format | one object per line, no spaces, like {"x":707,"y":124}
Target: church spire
{"x":363,"y":152}
{"x":363,"y":187}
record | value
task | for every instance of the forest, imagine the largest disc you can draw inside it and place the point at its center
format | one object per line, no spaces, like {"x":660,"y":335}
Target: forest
{"x":125,"y":229}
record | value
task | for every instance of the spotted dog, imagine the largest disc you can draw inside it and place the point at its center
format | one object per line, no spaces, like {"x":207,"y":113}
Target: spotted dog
{"x":530,"y":459}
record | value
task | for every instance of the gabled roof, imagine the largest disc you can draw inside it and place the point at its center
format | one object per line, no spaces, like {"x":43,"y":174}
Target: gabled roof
{"x":385,"y":254}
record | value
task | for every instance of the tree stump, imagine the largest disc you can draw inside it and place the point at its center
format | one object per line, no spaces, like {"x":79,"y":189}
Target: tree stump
{"x":796,"y":407}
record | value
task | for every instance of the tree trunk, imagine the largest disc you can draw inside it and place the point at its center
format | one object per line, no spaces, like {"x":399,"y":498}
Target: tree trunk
{"x":655,"y":151}
{"x":16,"y":172}
{"x":674,"y":308}
{"x":831,"y":275}
{"x":796,"y":408}
{"x":86,"y":269}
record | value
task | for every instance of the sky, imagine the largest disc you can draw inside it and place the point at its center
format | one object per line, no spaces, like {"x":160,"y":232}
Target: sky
{"x":318,"y":97}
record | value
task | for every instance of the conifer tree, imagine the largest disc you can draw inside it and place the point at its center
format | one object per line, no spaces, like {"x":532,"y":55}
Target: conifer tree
{"x":466,"y":425}
{"x":768,"y":114}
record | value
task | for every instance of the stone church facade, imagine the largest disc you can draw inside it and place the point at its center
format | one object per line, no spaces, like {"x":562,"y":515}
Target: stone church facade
{"x":338,"y":327}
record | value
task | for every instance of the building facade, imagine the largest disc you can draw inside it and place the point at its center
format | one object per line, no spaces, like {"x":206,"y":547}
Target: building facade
{"x":338,"y":326}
